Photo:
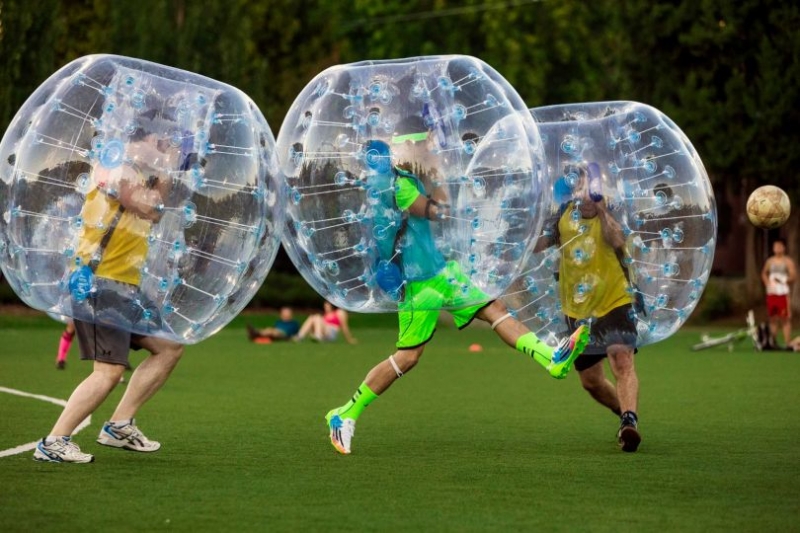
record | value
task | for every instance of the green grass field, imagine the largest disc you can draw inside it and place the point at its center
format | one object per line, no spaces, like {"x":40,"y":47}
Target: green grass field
{"x":467,"y":442}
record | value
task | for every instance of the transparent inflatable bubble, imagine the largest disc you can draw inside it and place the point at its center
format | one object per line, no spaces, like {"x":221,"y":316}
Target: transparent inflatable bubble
{"x":632,"y":162}
{"x":362,"y":137}
{"x":139,"y":196}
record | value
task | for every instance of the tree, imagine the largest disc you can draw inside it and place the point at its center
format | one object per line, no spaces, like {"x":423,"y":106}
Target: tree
{"x":727,"y":72}
{"x":29,"y":37}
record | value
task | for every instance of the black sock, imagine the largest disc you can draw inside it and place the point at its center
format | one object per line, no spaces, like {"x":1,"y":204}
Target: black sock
{"x":631,"y":416}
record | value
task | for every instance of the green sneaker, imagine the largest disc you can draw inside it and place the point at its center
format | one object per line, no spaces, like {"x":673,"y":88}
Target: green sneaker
{"x":567,"y":351}
{"x":341,"y":431}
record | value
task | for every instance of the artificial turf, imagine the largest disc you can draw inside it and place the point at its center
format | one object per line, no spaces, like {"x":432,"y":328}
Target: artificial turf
{"x":469,"y":441}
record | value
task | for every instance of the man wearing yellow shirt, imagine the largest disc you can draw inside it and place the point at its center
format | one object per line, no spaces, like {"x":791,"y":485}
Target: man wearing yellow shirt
{"x":594,"y":288}
{"x":129,"y":189}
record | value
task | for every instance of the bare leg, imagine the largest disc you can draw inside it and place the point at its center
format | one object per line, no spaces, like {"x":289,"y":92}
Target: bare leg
{"x":319,"y":327}
{"x":308,"y":324}
{"x":87,"y":397}
{"x":272,"y":333}
{"x":383,"y":374}
{"x":787,"y":332}
{"x":510,"y":329}
{"x":620,"y":358}
{"x":774,"y":323}
{"x":596,"y":383}
{"x":149,"y":376}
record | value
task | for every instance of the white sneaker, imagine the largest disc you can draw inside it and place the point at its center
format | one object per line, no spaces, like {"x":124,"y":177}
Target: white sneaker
{"x":127,"y":436}
{"x":62,"y":450}
{"x":342,"y":430}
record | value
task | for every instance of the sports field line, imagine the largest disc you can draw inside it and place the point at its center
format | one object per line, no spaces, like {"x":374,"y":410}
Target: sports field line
{"x":31,"y":445}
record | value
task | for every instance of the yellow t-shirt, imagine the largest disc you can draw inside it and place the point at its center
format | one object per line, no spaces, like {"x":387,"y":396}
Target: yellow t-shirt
{"x":591,"y":279}
{"x":126,"y":251}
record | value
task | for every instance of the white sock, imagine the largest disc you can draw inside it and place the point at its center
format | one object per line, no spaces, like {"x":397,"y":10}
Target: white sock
{"x":121,"y":423}
{"x":50,"y":439}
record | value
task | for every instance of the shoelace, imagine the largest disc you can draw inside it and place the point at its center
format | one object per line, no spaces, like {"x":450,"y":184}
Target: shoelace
{"x":70,"y":447}
{"x":559,"y":351}
{"x":59,"y":446}
{"x":136,"y":434}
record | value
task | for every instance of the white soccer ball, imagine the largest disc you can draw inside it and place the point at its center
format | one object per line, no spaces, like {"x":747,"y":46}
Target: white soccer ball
{"x":768,"y":207}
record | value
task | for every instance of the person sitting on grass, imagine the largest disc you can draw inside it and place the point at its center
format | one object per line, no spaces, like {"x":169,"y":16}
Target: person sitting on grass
{"x":325,"y":327}
{"x":285,"y":328}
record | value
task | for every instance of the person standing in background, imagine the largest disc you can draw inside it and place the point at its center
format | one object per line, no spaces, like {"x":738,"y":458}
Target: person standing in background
{"x":778,"y":275}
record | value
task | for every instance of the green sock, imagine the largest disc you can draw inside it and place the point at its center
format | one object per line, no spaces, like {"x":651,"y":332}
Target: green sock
{"x":531,"y":345}
{"x":360,"y":400}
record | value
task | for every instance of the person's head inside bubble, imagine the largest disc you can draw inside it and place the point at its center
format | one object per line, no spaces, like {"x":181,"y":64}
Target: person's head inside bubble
{"x":137,"y":172}
{"x":581,"y":183}
{"x":160,"y":142}
{"x":417,"y":142}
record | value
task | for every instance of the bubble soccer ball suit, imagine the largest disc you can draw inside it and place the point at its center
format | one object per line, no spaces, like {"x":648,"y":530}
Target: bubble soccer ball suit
{"x":138,"y":196}
{"x":632,"y":161}
{"x":412,"y":183}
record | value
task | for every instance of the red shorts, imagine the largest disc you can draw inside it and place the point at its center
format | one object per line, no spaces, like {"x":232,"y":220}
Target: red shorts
{"x":778,"y":305}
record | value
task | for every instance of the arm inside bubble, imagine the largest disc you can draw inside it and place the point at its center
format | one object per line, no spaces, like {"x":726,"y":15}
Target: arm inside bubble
{"x":410,"y":199}
{"x":612,"y":230}
{"x":428,"y":207}
{"x":550,"y":235}
{"x":143,"y":197}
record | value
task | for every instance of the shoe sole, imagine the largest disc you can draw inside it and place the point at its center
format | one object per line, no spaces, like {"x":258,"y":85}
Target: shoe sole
{"x":334,"y":442}
{"x":629,"y":439}
{"x":338,"y":446}
{"x":43,"y":458}
{"x":577,"y":349}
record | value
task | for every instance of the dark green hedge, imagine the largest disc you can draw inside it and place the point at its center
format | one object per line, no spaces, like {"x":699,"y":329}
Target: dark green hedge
{"x":279,"y":289}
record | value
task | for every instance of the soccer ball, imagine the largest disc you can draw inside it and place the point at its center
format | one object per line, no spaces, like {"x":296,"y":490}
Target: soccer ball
{"x":768,"y":207}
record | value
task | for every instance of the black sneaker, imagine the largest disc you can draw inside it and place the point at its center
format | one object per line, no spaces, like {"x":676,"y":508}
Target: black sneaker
{"x":628,"y":435}
{"x":252,"y":333}
{"x":61,"y":365}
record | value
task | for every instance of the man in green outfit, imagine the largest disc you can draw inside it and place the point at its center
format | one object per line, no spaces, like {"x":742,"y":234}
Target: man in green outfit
{"x":428,"y":286}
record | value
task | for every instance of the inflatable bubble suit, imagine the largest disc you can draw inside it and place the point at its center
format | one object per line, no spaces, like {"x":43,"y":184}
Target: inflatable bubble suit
{"x":138,"y":196}
{"x":637,"y":163}
{"x":449,"y":127}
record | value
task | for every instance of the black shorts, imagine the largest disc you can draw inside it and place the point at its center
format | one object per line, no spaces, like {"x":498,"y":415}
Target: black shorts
{"x":105,"y":344}
{"x":104,"y":321}
{"x":618,"y":326}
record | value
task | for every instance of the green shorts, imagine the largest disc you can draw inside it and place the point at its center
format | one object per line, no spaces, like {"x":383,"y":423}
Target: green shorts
{"x":419,"y":310}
